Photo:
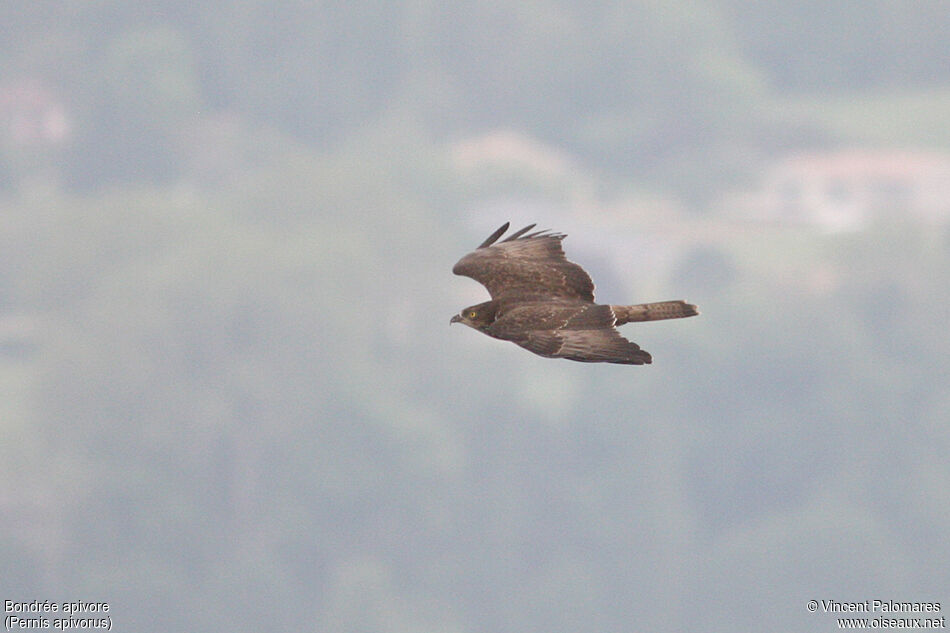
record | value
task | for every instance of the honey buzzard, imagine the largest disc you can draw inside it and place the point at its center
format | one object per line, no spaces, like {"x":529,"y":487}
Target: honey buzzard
{"x":545,"y":303}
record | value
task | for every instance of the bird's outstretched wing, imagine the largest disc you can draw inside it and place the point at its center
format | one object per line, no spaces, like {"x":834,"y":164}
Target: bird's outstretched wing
{"x":526,"y":266}
{"x":604,"y":345}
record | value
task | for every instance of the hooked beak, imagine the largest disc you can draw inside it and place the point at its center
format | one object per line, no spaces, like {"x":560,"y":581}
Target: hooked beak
{"x":455,"y":319}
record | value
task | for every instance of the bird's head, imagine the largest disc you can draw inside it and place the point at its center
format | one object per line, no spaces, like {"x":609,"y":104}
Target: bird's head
{"x":478,"y":316}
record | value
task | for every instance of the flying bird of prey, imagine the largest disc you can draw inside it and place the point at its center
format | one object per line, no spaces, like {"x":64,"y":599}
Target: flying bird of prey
{"x":545,"y":303}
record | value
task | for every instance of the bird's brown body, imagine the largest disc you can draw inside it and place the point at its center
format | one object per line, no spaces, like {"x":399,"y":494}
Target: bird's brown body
{"x":545,"y":303}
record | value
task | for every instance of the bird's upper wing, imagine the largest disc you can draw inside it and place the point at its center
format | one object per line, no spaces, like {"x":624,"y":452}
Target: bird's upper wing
{"x":526,"y":266}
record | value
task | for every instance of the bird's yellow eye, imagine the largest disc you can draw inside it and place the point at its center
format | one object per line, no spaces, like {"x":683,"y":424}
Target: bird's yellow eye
{"x":472,"y":314}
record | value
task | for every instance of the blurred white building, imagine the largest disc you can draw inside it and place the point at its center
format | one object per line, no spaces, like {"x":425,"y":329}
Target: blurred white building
{"x":31,"y":113}
{"x":847,"y":190}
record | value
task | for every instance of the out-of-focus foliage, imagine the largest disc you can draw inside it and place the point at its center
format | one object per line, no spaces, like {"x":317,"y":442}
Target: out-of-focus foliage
{"x":229,"y":390}
{"x":641,"y":90}
{"x":850,"y":45}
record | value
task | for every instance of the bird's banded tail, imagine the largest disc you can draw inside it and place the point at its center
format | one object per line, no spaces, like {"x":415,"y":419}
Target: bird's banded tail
{"x":654,"y":311}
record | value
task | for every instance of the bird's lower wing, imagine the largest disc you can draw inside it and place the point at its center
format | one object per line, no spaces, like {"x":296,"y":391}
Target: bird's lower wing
{"x":602,"y":345}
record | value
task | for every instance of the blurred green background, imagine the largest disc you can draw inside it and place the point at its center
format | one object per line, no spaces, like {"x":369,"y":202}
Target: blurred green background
{"x":229,"y":395}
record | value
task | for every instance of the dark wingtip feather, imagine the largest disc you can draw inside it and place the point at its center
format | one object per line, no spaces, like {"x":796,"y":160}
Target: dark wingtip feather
{"x":545,"y":233}
{"x":494,"y":236}
{"x":518,"y":234}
